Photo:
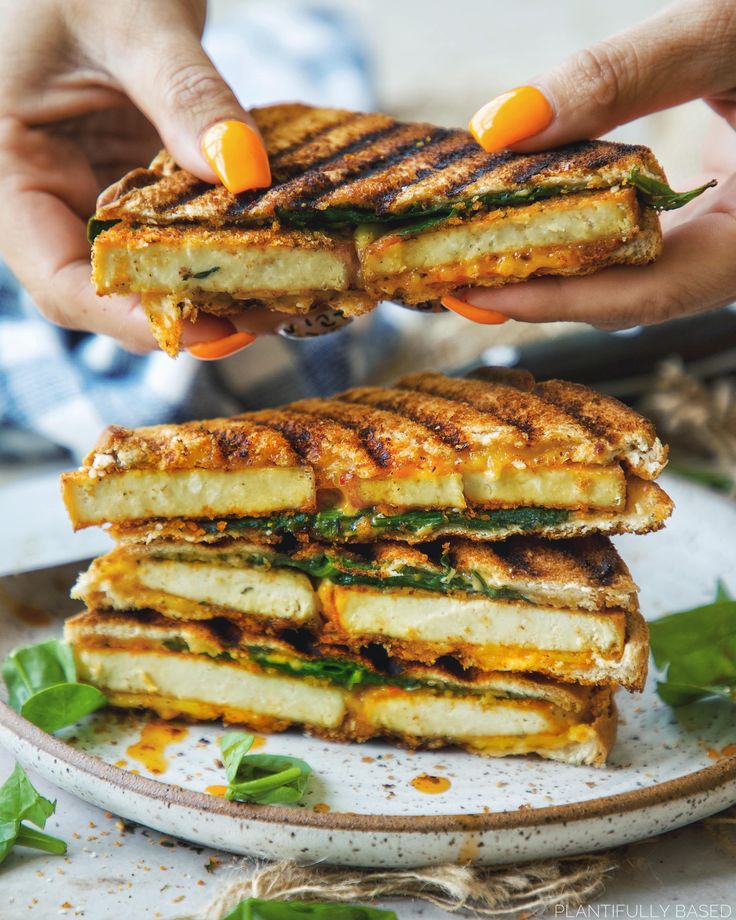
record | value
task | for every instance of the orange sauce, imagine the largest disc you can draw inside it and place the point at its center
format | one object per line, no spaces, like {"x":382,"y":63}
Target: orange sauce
{"x":216,"y":790}
{"x":321,"y":807}
{"x":430,"y":785}
{"x":258,"y":742}
{"x":155,"y":738}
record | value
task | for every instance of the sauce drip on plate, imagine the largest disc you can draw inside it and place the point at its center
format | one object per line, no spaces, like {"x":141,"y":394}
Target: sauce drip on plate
{"x":155,"y":738}
{"x":430,"y":785}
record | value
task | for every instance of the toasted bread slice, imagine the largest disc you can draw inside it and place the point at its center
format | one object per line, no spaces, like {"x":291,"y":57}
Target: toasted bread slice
{"x":198,"y":671}
{"x":332,"y":167}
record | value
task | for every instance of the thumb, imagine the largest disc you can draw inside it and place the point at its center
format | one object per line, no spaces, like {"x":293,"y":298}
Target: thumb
{"x":174,"y":83}
{"x":683,"y":53}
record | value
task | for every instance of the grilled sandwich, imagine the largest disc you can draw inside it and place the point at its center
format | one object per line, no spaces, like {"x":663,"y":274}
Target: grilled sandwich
{"x":430,"y":457}
{"x":365,"y":208}
{"x":564,"y":609}
{"x":214,"y":669}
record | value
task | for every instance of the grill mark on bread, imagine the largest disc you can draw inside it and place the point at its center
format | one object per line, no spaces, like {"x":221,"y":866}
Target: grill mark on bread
{"x":342,"y":120}
{"x":232,"y":443}
{"x":524,"y":424}
{"x":409,"y":405}
{"x":185,"y":196}
{"x":488,"y":165}
{"x":322,"y":185}
{"x":519,"y":556}
{"x":443,"y":160}
{"x":594,"y":556}
{"x":388,"y":438}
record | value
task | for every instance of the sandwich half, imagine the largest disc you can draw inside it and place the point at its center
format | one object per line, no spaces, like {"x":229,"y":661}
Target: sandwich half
{"x":566,"y":609}
{"x":430,"y":457}
{"x":215,"y":669}
{"x":364,"y":208}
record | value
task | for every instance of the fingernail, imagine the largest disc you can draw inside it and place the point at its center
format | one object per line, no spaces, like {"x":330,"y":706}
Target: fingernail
{"x":476,"y":314}
{"x":510,"y":118}
{"x":237,"y":154}
{"x":312,"y":325}
{"x":222,"y":348}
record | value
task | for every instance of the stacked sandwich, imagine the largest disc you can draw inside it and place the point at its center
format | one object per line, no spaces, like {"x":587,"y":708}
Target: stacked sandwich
{"x":425,"y":563}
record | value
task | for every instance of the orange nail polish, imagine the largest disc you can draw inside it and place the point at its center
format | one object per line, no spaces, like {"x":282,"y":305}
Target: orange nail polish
{"x":237,"y":154}
{"x":221,"y":348}
{"x":510,"y":118}
{"x":476,"y":314}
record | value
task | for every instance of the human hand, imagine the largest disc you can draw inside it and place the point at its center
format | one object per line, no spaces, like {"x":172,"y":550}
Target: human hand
{"x":688,"y":51}
{"x":88,"y":91}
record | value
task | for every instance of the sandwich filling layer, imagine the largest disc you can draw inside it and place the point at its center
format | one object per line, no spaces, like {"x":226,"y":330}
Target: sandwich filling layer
{"x":494,"y":715}
{"x":471,"y":605}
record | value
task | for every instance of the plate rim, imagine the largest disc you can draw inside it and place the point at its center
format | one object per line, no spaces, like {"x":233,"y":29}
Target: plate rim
{"x":707,"y":779}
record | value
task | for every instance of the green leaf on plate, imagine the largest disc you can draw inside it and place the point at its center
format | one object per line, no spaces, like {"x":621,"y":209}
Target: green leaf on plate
{"x":42,"y":685}
{"x":266,"y":779}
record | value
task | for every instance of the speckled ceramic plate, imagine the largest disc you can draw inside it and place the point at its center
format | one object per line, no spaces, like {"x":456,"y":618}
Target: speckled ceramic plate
{"x":366,"y":805}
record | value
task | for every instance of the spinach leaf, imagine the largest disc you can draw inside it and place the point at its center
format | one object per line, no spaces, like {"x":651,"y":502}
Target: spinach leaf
{"x":697,"y":650}
{"x":334,"y":525}
{"x":62,"y":704}
{"x":20,"y":802}
{"x":95,"y":227}
{"x":660,"y":196}
{"x":262,"y":909}
{"x":205,"y":273}
{"x":266,"y":779}
{"x":345,"y":570}
{"x":29,"y":669}
{"x":337,"y":671}
{"x":42,"y":685}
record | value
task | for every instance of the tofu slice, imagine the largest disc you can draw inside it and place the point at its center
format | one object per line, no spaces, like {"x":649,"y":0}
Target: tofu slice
{"x":423,"y":616}
{"x":196,"y":590}
{"x":196,"y":261}
{"x":588,"y":647}
{"x":574,"y":486}
{"x":138,"y":495}
{"x":228,"y":689}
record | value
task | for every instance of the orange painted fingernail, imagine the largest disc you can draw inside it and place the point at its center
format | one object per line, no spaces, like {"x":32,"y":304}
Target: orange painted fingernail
{"x":237,"y":154}
{"x":510,"y":118}
{"x":221,"y":348}
{"x":469,"y":311}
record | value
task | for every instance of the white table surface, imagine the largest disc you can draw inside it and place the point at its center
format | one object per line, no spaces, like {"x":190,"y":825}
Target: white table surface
{"x":113,"y":872}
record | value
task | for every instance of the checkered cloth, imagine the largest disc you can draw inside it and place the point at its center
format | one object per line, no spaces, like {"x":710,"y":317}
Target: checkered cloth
{"x":66,"y":386}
